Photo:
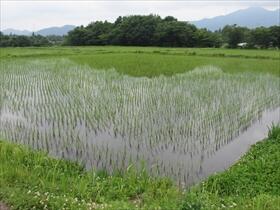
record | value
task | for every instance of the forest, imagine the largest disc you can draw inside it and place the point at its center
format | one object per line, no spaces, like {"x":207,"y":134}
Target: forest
{"x":152,"y":30}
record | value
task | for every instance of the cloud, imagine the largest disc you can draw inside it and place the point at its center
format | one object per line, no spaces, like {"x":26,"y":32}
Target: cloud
{"x":34,"y":15}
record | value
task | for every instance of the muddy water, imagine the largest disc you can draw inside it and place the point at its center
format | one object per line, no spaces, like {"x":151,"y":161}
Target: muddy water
{"x":185,"y":168}
{"x":110,"y":151}
{"x":178,"y":126}
{"x":230,"y":153}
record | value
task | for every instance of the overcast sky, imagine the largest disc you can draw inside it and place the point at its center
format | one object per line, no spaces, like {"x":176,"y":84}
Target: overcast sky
{"x":34,"y":15}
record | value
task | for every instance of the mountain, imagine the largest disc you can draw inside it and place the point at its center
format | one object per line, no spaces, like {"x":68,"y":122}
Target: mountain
{"x":63,"y":30}
{"x":17,"y":32}
{"x":251,"y":17}
{"x":60,"y":31}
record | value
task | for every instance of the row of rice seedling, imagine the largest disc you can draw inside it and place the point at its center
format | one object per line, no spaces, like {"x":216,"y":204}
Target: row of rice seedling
{"x":106,"y":120}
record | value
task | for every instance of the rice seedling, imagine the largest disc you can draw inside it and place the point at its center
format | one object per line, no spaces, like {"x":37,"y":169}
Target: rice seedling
{"x":106,"y":120}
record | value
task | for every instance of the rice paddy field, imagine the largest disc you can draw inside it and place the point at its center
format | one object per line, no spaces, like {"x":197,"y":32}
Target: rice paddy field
{"x":167,"y":111}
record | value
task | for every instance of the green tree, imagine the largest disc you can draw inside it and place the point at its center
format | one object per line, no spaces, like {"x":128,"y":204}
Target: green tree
{"x":275,"y":35}
{"x":135,"y":30}
{"x":38,"y":40}
{"x":261,"y":37}
{"x":205,"y":38}
{"x":98,"y":33}
{"x":234,"y":34}
{"x":175,"y":34}
{"x":152,"y":30}
{"x":77,"y":37}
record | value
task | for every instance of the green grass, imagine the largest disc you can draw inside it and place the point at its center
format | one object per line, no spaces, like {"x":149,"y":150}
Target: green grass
{"x":30,"y":179}
{"x":156,"y":64}
{"x":252,"y":183}
{"x":246,"y":53}
{"x":153,"y":61}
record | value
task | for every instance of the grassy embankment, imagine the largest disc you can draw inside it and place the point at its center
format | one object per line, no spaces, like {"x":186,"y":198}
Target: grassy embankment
{"x":31,"y":179}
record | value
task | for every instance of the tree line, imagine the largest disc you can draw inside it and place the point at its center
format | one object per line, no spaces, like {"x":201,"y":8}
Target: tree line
{"x":30,"y":41}
{"x":152,"y":30}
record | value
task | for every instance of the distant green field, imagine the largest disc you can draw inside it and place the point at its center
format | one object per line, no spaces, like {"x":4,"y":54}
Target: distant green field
{"x":153,"y":61}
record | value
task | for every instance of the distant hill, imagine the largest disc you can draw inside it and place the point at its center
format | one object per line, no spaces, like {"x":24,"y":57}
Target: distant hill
{"x":17,"y":32}
{"x":251,"y":17}
{"x":60,"y":31}
{"x":63,"y":30}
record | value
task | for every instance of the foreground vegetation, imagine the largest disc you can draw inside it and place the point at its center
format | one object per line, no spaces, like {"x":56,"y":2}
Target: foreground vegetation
{"x":30,"y":179}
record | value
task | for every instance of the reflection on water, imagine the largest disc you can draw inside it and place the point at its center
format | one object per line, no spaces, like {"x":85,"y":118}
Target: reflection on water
{"x":190,"y":166}
{"x":230,"y":153}
{"x":184,"y":127}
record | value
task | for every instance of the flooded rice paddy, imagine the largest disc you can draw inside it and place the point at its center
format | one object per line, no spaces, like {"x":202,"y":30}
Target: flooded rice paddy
{"x":185,"y":126}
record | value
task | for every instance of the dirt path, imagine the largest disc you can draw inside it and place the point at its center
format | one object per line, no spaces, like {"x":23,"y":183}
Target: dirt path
{"x":3,"y":206}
